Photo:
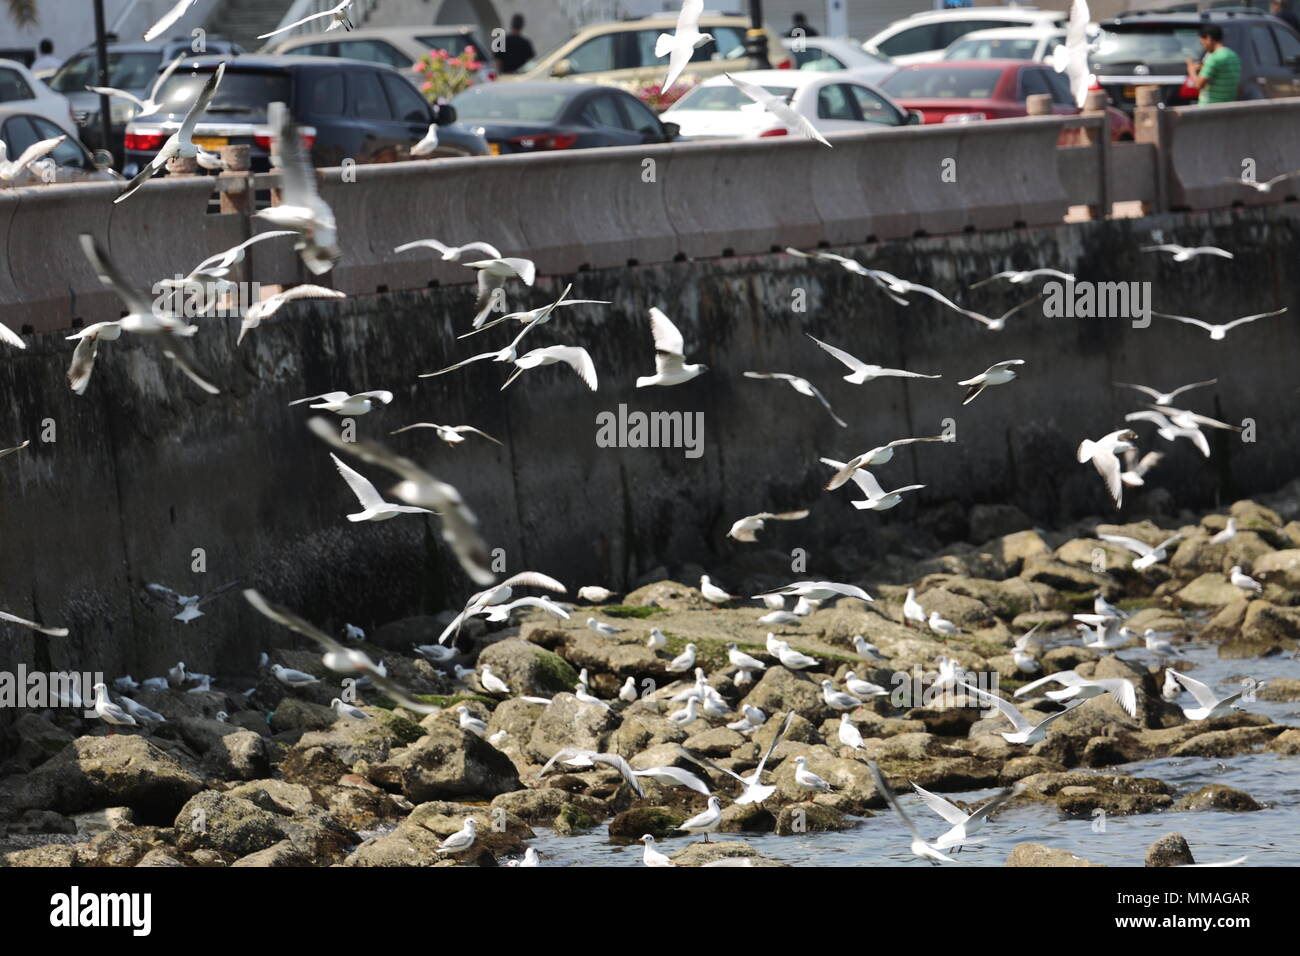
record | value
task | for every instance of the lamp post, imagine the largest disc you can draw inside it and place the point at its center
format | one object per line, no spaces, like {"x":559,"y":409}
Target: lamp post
{"x":756,"y":37}
{"x":101,"y":54}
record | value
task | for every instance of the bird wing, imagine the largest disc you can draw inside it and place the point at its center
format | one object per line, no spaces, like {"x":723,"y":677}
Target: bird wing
{"x":778,"y":108}
{"x":166,"y":20}
{"x":36,"y":151}
{"x":366,"y":493}
{"x":950,"y":812}
{"x":577,"y":358}
{"x":51,"y":631}
{"x":688,"y":20}
{"x":621,"y":765}
{"x":201,"y":104}
{"x":1006,"y":707}
{"x":564,"y":755}
{"x":775,"y":740}
{"x":868,"y":483}
{"x":1230,"y":325}
{"x":1122,"y":690}
{"x":667,"y":338}
{"x":1107,"y":465}
{"x":120,"y":94}
{"x":164,"y":76}
{"x":1134,"y":545}
{"x":470,"y":428}
{"x":177,"y":354}
{"x":216,"y":592}
{"x":110,"y":277}
{"x":1144,"y":389}
{"x":162,"y":592}
{"x":1185,"y":319}
{"x":853,"y":363}
{"x":534,"y":579}
{"x":310,"y":292}
{"x":286,"y":618}
{"x":11,"y":337}
{"x":883,"y":789}
{"x":1068,"y":678}
{"x":433,"y":244}
{"x":1183,"y":388}
{"x":1203,"y":693}
{"x":298,"y":23}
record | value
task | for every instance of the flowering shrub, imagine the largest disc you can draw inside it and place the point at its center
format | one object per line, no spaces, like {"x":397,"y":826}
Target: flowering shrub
{"x":442,"y":75}
{"x":654,"y":96}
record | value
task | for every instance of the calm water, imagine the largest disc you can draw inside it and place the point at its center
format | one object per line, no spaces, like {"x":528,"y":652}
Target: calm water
{"x":1269,"y":837}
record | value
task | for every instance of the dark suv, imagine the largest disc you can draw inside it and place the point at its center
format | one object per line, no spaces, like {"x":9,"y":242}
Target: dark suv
{"x":1152,"y":49}
{"x":365,"y":112}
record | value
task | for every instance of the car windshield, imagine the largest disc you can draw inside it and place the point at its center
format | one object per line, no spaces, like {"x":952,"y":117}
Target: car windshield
{"x":508,"y":102}
{"x":1148,"y":44}
{"x":953,"y":84}
{"x":991,"y":49}
{"x":241,"y":91}
{"x":126,"y":71}
{"x":453,"y":43}
{"x":723,"y":98}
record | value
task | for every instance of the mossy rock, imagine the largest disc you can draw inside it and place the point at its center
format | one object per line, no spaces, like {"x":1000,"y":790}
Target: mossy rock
{"x":659,"y":822}
{"x":632,"y":610}
{"x":573,"y":819}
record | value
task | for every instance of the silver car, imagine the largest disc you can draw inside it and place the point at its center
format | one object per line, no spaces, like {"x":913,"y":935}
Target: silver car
{"x":70,"y":162}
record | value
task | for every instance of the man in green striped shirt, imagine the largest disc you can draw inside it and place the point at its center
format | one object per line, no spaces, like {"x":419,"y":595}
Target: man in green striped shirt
{"x":1218,"y":74}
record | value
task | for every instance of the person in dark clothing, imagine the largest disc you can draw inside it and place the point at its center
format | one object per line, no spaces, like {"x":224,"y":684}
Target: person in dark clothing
{"x":517,"y":49}
{"x":801,"y":27}
{"x":1279,"y":9}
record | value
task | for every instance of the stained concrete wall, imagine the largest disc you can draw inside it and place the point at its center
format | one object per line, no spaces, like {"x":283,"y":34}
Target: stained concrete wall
{"x":146,"y":468}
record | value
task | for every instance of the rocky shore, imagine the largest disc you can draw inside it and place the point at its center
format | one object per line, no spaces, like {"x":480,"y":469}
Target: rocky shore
{"x":283,"y":780}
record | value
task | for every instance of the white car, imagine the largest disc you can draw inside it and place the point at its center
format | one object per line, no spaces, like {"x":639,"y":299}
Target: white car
{"x":1007,"y":43}
{"x":21,"y":88}
{"x":922,"y":37}
{"x":834,"y":102}
{"x":832,"y":54}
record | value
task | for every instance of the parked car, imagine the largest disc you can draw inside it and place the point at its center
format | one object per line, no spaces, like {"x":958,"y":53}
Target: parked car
{"x":399,"y":47}
{"x":1152,"y":49}
{"x":832,"y":102}
{"x":831,"y":54}
{"x":350,"y":110}
{"x":540,"y":116}
{"x":20,"y":87}
{"x":1007,"y":43}
{"x":73,"y":163}
{"x":622,"y":53}
{"x":131,"y":67}
{"x":922,"y":37}
{"x":953,"y":91}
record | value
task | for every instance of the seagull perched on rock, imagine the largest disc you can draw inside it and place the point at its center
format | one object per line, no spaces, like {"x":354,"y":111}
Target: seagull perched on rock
{"x":136,"y":709}
{"x":912,"y":610}
{"x":344,"y":709}
{"x":109,"y":712}
{"x":739,"y":658}
{"x":803,"y":387}
{"x":706,"y":821}
{"x":1219,"y":332}
{"x":942,"y":626}
{"x":463,"y":838}
{"x":651,"y":856}
{"x":862,"y":688}
{"x":794,"y":660}
{"x":603,"y":629}
{"x":838,"y":700}
{"x":880,"y":455}
{"x":1146,"y":554}
{"x":999,"y":374}
{"x":1104,"y":455}
{"x":292,"y":678}
{"x":179,"y":144}
{"x":1240,"y":579}
{"x":745,"y":529}
{"x":671,"y":367}
{"x":806,"y":779}
{"x":712,"y":593}
{"x":373,"y":505}
{"x":680,"y":45}
{"x":594,"y":594}
{"x":491,"y":683}
{"x":468,"y":722}
{"x":1227,"y":534}
{"x":849,"y":735}
{"x":866,"y":650}
{"x":657,"y":640}
{"x":778,"y":107}
{"x":683,"y":661}
{"x":861,"y":372}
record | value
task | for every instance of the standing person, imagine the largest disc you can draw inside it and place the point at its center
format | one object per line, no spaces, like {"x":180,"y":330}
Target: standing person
{"x":1278,"y":9}
{"x":46,"y":60}
{"x":800,"y":27}
{"x":518,"y":49}
{"x":1218,"y":74}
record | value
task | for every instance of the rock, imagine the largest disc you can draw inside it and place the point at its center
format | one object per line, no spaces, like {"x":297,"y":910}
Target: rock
{"x":718,"y":742}
{"x":416,"y":840}
{"x":1266,"y":623}
{"x":808,"y":817}
{"x":159,"y":857}
{"x":98,"y":821}
{"x":567,"y":722}
{"x":1282,"y":689}
{"x":44,"y":821}
{"x":781,"y":690}
{"x":446,"y":762}
{"x":215,"y":821}
{"x":644,"y":731}
{"x":294,"y":714}
{"x":277,"y":796}
{"x":36,"y":740}
{"x":623,"y":655}
{"x":50,"y":855}
{"x":1227,"y":743}
{"x":659,"y":822}
{"x":997,"y":521}
{"x":241,"y":755}
{"x":527,"y":669}
{"x":539,"y":807}
{"x":283,"y":853}
{"x":1278,"y":567}
{"x":402,"y":634}
{"x":966,"y":612}
{"x":1218,"y":797}
{"x":1035,"y":854}
{"x":1286,"y":743}
{"x":721,"y":853}
{"x":1086,"y":801}
{"x":119,"y":770}
{"x":1170,"y":850}
{"x":322,"y":756}
{"x":1208,"y":591}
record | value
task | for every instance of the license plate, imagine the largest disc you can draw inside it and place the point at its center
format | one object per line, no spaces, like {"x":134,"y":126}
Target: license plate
{"x":1130,"y":92}
{"x":211,"y":142}
{"x":494,"y":149}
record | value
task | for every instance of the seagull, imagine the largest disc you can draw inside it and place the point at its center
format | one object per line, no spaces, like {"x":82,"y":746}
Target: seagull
{"x":1227,"y":534}
{"x":152,"y":104}
{"x":1158,"y":643}
{"x":593,"y":594}
{"x":999,"y":374}
{"x":671,"y":367}
{"x":912,"y":610}
{"x":849,"y":735}
{"x":344,"y":404}
{"x":164,"y":23}
{"x":882,"y":279}
{"x":674,"y":777}
{"x":680,"y":45}
{"x":706,"y":821}
{"x":780,"y":617}
{"x":179,"y":144}
{"x":1020,"y":652}
{"x":258,"y":311}
{"x":451,"y":434}
{"x":712,"y":593}
{"x":577,"y":757}
{"x":1186,"y":253}
{"x":501,"y":612}
{"x":650,"y":856}
{"x":1218,"y":332}
{"x":868,"y":651}
{"x":755,"y":791}
{"x":1105,"y":637}
{"x":1264,"y":187}
{"x":292,"y":678}
{"x":1146,"y":555}
{"x":683,"y":661}
{"x":600,"y":627}
{"x":428,"y":143}
{"x":819,"y":591}
{"x":491,"y":683}
{"x":918,"y":846}
{"x":187,"y":604}
{"x":1244,"y":581}
{"x":1025,"y":732}
{"x":580,"y":692}
{"x":136,"y":709}
{"x":1166,"y":398}
{"x":942,"y":626}
{"x":1103,"y":455}
{"x":468,"y":722}
{"x":628,"y":691}
{"x":861,"y":372}
{"x":657,"y":640}
{"x":349,"y":711}
{"x":338,"y":18}
{"x":747,"y":527}
{"x":1209,"y":704}
{"x":999,"y":323}
{"x":10,"y":337}
{"x":806,"y":778}
{"x":373,"y":506}
{"x":862,"y":688}
{"x":493,"y":274}
{"x":1182,"y":418}
{"x":838,"y":700}
{"x":1169,"y":432}
{"x":109,"y":712}
{"x":463,"y":838}
{"x":877,"y":499}
{"x":435,"y":653}
{"x":963,"y":824}
{"x":532,"y":318}
{"x":1135,"y":469}
{"x":1080,"y":688}
{"x":794,"y":660}
{"x":32,"y":625}
{"x":1171,"y":690}
{"x":880,"y":455}
{"x":450,"y":253}
{"x":803,"y":387}
{"x":301,"y":208}
{"x":1071,"y":58}
{"x":739,"y":658}
{"x":481,"y":601}
{"x":1019,"y":278}
{"x":576,"y":357}
{"x":778,"y":107}
{"x":687,"y":713}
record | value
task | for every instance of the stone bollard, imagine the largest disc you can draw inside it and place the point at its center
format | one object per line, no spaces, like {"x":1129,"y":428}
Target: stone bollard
{"x":236,"y":187}
{"x":1038,"y":104}
{"x":1151,"y":125}
{"x":1098,"y":137}
{"x":182,"y":166}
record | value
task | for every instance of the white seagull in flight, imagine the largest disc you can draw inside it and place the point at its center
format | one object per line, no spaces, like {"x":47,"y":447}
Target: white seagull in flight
{"x":271,"y":304}
{"x":152,"y":104}
{"x":373,"y":505}
{"x":778,"y":107}
{"x":1104,"y":455}
{"x":338,"y":18}
{"x":179,"y":144}
{"x":803,"y":387}
{"x":877,"y":499}
{"x":164,"y":23}
{"x":301,"y":208}
{"x":1219,"y":332}
{"x":999,"y":374}
{"x":1166,"y":398}
{"x":681,"y":44}
{"x":1186,"y":253}
{"x":861,"y":372}
{"x":745,"y":529}
{"x":671,"y":367}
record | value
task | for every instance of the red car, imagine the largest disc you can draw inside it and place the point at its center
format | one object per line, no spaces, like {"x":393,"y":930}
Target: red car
{"x":950,"y":91}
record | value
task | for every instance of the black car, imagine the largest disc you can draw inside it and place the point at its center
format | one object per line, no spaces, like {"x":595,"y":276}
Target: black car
{"x":132,"y":67}
{"x":1152,"y":49}
{"x":364,"y":112}
{"x":530,"y":117}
